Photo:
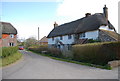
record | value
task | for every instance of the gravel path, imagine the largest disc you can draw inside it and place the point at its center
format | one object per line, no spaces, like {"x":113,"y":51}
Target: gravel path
{"x":33,"y":66}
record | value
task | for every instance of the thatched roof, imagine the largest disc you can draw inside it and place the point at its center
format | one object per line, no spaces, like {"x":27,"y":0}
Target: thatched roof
{"x":0,"y":30}
{"x":44,"y":39}
{"x":112,"y":34}
{"x":90,"y":23}
{"x":7,"y":28}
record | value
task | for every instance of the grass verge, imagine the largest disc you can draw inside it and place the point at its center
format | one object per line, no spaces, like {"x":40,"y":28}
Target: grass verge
{"x":76,"y":62}
{"x":10,"y":59}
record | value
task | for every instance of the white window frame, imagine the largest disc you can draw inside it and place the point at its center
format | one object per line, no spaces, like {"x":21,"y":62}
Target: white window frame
{"x":82,"y":35}
{"x":53,"y":39}
{"x":61,"y":37}
{"x":11,"y":44}
{"x":69,"y":36}
{"x":12,"y":35}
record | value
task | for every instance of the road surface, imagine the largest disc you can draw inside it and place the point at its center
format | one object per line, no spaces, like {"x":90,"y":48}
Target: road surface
{"x":33,"y":66}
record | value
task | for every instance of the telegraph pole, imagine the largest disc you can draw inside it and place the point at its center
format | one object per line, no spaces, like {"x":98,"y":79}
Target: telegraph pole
{"x":38,"y":33}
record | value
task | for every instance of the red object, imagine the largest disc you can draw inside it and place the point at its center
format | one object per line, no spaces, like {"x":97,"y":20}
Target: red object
{"x":21,"y":48}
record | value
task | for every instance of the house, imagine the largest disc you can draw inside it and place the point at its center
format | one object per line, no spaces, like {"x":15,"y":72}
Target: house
{"x":95,"y":26}
{"x":43,"y":41}
{"x":0,"y":35}
{"x":8,"y":35}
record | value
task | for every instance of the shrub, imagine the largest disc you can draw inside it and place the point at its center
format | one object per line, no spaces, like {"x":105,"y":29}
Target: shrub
{"x":11,"y":59}
{"x":50,"y":51}
{"x":38,"y":49}
{"x":93,"y":41}
{"x":97,"y":53}
{"x":55,"y":52}
{"x":6,"y":51}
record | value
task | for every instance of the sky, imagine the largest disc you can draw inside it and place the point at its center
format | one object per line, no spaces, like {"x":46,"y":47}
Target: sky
{"x":27,"y":15}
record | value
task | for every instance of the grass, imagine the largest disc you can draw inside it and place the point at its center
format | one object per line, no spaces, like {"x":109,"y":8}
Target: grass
{"x":76,"y":62}
{"x":10,"y":59}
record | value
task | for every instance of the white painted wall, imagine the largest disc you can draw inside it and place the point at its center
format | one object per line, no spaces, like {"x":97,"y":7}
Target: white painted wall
{"x":65,"y":40}
{"x":92,"y":34}
{"x":106,"y":28}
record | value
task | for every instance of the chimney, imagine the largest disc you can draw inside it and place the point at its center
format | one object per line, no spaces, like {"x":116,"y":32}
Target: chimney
{"x":105,"y":12}
{"x":87,"y":14}
{"x":55,"y":24}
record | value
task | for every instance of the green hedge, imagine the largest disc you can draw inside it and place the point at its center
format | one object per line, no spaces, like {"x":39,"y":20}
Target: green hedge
{"x":50,"y":51}
{"x":97,"y":53}
{"x":38,"y":49}
{"x":11,"y":59}
{"x":6,"y":51}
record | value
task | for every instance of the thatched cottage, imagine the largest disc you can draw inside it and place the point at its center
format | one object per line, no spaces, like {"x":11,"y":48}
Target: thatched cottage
{"x":95,"y":26}
{"x":8,"y":35}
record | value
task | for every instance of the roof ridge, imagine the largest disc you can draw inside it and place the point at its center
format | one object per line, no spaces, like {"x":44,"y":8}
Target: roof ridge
{"x":4,"y":22}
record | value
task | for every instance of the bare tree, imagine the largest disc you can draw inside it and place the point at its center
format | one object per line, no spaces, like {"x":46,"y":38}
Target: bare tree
{"x":30,"y":42}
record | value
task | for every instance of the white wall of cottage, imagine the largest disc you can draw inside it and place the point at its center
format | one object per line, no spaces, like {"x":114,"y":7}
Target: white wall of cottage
{"x":92,"y":34}
{"x":65,"y":40}
{"x":89,"y":35}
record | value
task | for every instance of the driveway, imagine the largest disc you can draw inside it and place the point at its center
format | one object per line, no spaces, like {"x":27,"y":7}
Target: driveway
{"x":33,"y":66}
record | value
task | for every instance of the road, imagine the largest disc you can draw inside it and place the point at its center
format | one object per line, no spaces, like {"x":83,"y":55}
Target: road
{"x":33,"y":66}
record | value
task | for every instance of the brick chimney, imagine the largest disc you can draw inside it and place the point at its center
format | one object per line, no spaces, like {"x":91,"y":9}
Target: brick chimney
{"x":87,"y":14}
{"x":55,"y":24}
{"x":105,"y":12}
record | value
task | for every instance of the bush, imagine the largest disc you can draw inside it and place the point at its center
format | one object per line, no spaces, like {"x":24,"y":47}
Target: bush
{"x":93,"y":41}
{"x":6,"y":51}
{"x":38,"y":49}
{"x":11,"y":59}
{"x":97,"y":53}
{"x":50,"y":51}
{"x":55,"y":52}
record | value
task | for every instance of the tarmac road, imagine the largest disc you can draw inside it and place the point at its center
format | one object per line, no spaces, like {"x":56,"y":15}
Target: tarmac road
{"x":33,"y":66}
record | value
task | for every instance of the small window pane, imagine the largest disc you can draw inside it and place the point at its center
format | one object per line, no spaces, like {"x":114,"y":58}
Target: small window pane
{"x":53,"y":39}
{"x":61,"y":38}
{"x":11,"y":35}
{"x":82,"y":35}
{"x":69,"y":36}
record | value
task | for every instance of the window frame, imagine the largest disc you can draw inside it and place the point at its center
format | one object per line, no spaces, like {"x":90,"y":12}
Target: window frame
{"x":69,"y":36}
{"x":61,"y":37}
{"x":12,"y":35}
{"x":82,"y":35}
{"x":11,"y":44}
{"x":52,"y":38}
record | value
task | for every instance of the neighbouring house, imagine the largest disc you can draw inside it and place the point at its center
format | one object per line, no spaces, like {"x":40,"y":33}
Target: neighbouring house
{"x":92,"y":26}
{"x":0,"y":35}
{"x":43,"y":41}
{"x":8,"y":36}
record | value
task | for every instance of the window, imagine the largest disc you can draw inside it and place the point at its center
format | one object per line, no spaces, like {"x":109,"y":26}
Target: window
{"x":11,"y":44}
{"x":82,"y":35}
{"x":69,"y":47}
{"x":11,"y":35}
{"x":61,"y":38}
{"x":69,"y":36}
{"x":52,"y":38}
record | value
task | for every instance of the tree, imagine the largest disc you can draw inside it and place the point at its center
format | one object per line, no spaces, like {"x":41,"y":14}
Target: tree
{"x":30,"y":42}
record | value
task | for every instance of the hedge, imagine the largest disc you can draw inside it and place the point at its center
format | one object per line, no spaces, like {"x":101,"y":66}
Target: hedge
{"x":50,"y":51}
{"x":6,"y":51}
{"x":97,"y":53}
